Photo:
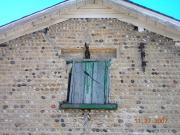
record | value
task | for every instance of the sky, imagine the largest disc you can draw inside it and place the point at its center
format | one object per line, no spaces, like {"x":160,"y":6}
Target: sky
{"x":11,"y":10}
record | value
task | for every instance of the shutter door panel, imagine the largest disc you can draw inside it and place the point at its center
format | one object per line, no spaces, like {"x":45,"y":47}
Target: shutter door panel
{"x":71,"y":85}
{"x":77,"y":83}
{"x":107,"y":81}
{"x":89,"y":82}
{"x":98,"y":85}
{"x":88,"y":73}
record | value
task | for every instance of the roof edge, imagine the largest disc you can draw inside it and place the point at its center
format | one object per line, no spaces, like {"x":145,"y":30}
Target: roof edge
{"x":37,"y":12}
{"x":146,"y":11}
{"x":152,"y":10}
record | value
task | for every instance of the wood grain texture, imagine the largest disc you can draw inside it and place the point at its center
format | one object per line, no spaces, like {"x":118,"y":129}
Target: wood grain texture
{"x":89,"y":82}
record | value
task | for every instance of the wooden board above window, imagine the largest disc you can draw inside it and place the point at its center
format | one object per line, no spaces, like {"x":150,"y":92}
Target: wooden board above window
{"x":78,"y":53}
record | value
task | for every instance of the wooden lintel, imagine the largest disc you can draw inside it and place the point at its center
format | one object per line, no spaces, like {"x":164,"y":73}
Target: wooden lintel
{"x":92,"y":50}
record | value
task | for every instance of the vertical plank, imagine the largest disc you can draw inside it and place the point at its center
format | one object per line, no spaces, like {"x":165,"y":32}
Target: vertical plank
{"x":98,"y":85}
{"x":106,"y":82}
{"x":77,"y":83}
{"x":88,"y":72}
{"x":71,"y":85}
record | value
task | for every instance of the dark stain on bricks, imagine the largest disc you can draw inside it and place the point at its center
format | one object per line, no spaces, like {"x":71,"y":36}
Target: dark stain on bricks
{"x":120,"y":121}
{"x":62,"y":120}
{"x":29,"y":80}
{"x":174,"y":131}
{"x":42,"y":111}
{"x":12,"y":62}
{"x":16,"y":106}
{"x":23,"y":84}
{"x":93,"y":129}
{"x":133,"y":65}
{"x":22,"y":106}
{"x":129,"y":125}
{"x":97,"y":130}
{"x":3,"y":45}
{"x":101,"y":40}
{"x":154,"y":73}
{"x":138,"y":102}
{"x":175,"y":82}
{"x":140,"y":111}
{"x":154,"y":90}
{"x":163,"y":85}
{"x":149,"y":131}
{"x":5,"y":106}
{"x":13,"y":89}
{"x":10,"y":93}
{"x":33,"y":74}
{"x":56,"y":120}
{"x":17,"y":124}
{"x":115,"y":40}
{"x":63,"y":124}
{"x":132,"y":81}
{"x":105,"y":130}
{"x":27,"y":101}
{"x":43,"y":97}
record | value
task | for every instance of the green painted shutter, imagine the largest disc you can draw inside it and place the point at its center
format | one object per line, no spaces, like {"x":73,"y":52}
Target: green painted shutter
{"x":89,"y":82}
{"x":77,"y":83}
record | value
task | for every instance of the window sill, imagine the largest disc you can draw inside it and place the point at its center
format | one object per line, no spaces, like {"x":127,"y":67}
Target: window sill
{"x":110,"y":106}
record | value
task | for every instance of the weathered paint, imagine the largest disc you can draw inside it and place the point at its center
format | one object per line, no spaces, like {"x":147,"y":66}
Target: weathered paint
{"x":89,"y":82}
{"x":111,"y":106}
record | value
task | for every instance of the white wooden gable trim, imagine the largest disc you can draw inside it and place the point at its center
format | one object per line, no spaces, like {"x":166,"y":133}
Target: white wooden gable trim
{"x":119,"y":9}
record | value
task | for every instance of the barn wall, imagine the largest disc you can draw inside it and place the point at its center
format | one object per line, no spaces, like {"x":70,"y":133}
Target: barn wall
{"x":34,"y":76}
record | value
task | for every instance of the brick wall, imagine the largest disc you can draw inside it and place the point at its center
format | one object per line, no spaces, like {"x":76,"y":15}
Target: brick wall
{"x":33,"y":79}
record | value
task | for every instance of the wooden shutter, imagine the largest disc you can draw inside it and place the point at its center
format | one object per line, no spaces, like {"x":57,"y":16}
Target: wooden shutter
{"x":89,"y":82}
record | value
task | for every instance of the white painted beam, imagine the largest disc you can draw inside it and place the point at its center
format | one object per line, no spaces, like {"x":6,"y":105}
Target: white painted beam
{"x":177,"y":43}
{"x":140,"y":29}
